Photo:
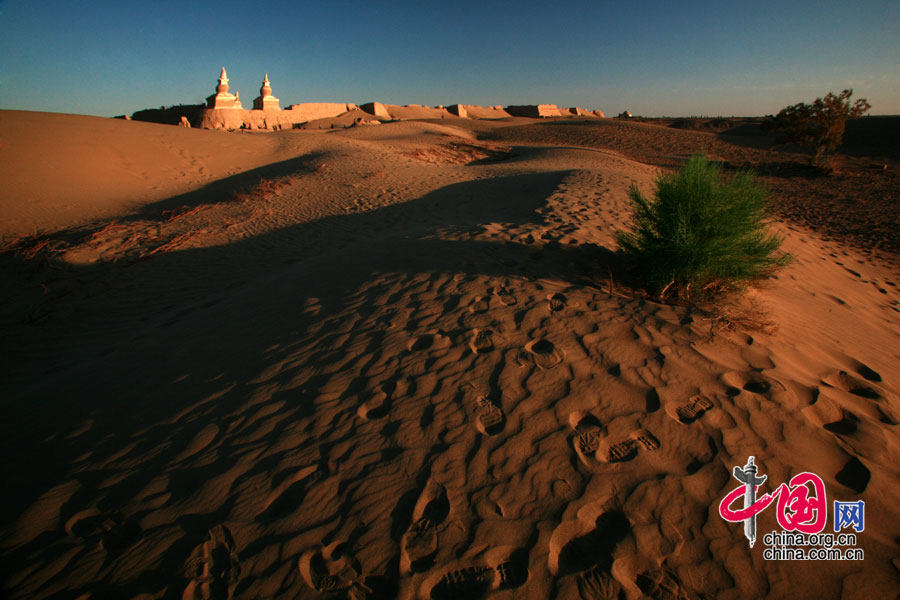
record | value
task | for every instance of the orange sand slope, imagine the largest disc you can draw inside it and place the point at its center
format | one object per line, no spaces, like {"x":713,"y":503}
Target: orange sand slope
{"x":64,"y":170}
{"x":394,"y":368}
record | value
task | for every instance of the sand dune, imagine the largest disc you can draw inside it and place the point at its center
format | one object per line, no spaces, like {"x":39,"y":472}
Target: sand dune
{"x":858,"y":204}
{"x":66,"y":170}
{"x":394,"y":368}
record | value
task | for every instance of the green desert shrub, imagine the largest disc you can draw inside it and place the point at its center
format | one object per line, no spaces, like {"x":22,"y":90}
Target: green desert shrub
{"x":701,"y":233}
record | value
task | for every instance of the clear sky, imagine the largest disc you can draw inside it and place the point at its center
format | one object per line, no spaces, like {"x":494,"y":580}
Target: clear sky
{"x":652,"y":58}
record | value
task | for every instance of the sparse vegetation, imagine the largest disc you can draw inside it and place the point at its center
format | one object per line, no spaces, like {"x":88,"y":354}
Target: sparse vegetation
{"x":820,"y":124}
{"x":701,"y":233}
{"x":265,"y":188}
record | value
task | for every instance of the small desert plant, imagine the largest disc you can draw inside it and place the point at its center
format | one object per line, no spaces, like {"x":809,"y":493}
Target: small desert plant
{"x":701,"y":234}
{"x":820,"y":124}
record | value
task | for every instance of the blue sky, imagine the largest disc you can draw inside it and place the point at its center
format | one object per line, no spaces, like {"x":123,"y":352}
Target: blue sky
{"x":652,"y":58}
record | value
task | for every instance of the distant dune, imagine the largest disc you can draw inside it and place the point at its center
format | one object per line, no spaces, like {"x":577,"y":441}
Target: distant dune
{"x":62,"y":170}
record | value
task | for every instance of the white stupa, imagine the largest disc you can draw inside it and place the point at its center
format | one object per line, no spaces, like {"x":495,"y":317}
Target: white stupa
{"x":266,"y":100}
{"x":222,"y":98}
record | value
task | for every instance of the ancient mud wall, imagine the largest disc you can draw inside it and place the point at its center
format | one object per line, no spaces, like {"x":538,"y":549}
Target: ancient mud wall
{"x":238,"y":118}
{"x":534,"y":111}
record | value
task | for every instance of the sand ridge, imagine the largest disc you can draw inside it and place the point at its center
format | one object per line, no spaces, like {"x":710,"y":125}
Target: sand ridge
{"x":396,"y":372}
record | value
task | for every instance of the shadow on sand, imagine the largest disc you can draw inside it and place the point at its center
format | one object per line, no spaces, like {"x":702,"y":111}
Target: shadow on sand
{"x":135,"y":360}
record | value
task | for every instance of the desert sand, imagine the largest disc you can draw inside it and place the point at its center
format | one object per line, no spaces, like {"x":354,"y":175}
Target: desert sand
{"x":396,"y":361}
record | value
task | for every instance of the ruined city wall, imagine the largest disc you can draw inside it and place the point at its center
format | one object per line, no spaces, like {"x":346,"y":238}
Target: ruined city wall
{"x":239,"y":118}
{"x":534,"y":111}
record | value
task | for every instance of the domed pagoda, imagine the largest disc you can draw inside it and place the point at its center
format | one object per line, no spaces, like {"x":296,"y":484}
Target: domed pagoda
{"x":222,"y":98}
{"x":266,"y":101}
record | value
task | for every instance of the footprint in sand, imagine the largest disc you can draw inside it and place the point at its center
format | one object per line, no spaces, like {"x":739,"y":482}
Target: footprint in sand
{"x":691,"y":410}
{"x":501,"y":569}
{"x":586,"y":544}
{"x":662,"y":584}
{"x":586,"y":439}
{"x":108,"y":531}
{"x":481,"y":341}
{"x":423,"y":342}
{"x":867,"y":373}
{"x":419,"y":544}
{"x":505,"y":296}
{"x":595,"y":584}
{"x":855,"y":475}
{"x":428,"y":341}
{"x":481,"y":304}
{"x":617,"y":452}
{"x":333,"y":572}
{"x":627,"y":449}
{"x":848,"y":383}
{"x":646,"y":440}
{"x":288,"y":496}
{"x":490,"y":418}
{"x":379,"y":404}
{"x":757,"y":383}
{"x":846,"y":424}
{"x":212,"y":569}
{"x":556,"y":302}
{"x":542,"y":353}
